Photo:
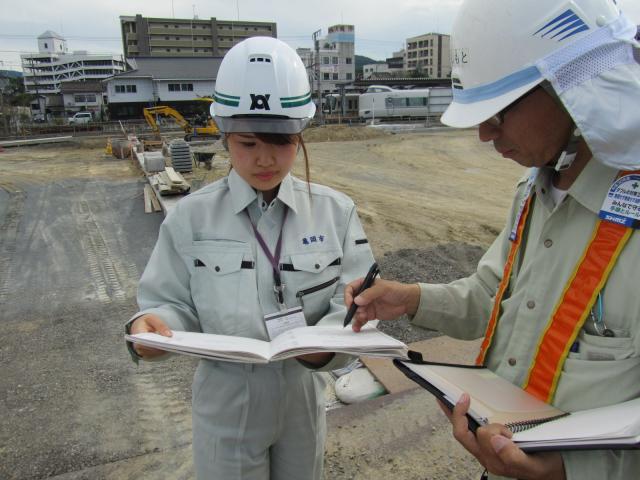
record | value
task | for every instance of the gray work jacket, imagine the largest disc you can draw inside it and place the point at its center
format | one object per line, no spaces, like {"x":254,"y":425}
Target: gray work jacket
{"x":207,"y":272}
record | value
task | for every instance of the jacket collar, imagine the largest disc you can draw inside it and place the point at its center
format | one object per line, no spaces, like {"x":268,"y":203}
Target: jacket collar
{"x":593,"y":184}
{"x":243,"y":194}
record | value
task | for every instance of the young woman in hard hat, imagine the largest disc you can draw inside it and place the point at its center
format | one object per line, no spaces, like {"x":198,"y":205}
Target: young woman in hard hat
{"x":257,"y":242}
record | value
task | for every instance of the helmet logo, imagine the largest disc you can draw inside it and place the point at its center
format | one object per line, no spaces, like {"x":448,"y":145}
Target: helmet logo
{"x":259,"y":102}
{"x":564,"y":25}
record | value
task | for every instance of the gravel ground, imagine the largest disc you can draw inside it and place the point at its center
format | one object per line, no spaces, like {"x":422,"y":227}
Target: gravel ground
{"x":439,"y":264}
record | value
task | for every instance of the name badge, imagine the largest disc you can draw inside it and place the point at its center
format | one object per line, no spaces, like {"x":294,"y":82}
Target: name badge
{"x":622,"y":203}
{"x":280,"y":322}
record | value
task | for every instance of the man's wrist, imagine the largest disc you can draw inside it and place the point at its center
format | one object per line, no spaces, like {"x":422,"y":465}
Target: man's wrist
{"x":413,"y":298}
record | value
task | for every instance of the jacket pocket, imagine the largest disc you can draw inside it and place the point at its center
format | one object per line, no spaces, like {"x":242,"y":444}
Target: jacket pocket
{"x":315,"y":277}
{"x":223,"y":287}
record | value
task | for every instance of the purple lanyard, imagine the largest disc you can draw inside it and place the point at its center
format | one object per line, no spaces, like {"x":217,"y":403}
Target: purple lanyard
{"x":273,"y":259}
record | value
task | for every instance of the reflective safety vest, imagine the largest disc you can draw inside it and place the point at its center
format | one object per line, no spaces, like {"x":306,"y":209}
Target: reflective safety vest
{"x":573,"y":307}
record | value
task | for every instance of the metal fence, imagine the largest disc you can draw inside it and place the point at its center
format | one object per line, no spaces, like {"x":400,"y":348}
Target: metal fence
{"x":35,"y":130}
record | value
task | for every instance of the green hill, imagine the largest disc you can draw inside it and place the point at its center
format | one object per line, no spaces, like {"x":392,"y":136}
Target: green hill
{"x":362,"y":60}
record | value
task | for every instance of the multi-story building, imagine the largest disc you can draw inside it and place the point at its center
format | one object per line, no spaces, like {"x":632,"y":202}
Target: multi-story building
{"x":375,"y":69}
{"x":428,"y":55}
{"x":396,"y":62}
{"x":173,"y":37}
{"x":53,"y":65}
{"x":177,"y":82}
{"x":336,"y":59}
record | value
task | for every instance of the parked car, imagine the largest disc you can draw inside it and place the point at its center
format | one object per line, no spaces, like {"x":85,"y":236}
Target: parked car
{"x":80,"y":118}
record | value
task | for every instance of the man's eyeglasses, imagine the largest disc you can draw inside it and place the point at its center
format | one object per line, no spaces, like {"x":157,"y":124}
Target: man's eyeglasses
{"x":498,"y":119}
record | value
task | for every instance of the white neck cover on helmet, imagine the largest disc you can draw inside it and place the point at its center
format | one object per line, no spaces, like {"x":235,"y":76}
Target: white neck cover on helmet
{"x":585,"y":49}
{"x":598,"y":82}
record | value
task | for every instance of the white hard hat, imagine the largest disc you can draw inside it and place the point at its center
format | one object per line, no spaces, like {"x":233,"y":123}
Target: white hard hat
{"x":262,"y":87}
{"x":495,"y":45}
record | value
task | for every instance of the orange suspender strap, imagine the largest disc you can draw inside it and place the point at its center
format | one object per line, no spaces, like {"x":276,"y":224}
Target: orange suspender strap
{"x":504,"y":283}
{"x":571,"y":311}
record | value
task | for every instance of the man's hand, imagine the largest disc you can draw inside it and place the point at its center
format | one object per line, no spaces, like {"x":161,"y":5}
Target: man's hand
{"x":152,"y":324}
{"x":385,"y":300}
{"x":493,"y":448}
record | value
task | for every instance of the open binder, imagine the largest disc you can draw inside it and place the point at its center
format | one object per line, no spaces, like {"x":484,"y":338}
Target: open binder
{"x":289,"y":344}
{"x":537,"y":426}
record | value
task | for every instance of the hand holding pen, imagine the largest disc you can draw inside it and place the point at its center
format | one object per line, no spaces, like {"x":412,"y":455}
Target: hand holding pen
{"x":382,"y":300}
{"x":368,"y":282}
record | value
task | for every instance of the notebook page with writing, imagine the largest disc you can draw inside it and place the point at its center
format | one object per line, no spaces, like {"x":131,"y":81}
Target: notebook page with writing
{"x":335,"y":339}
{"x":207,"y":345}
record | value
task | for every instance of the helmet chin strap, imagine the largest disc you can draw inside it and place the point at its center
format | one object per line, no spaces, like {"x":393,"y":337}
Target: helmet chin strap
{"x":568,"y":155}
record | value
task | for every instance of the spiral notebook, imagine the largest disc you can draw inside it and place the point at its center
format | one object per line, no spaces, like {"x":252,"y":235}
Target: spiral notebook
{"x":537,"y":426}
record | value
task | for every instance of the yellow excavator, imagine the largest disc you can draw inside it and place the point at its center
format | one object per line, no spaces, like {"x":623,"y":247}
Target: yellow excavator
{"x":210,"y":129}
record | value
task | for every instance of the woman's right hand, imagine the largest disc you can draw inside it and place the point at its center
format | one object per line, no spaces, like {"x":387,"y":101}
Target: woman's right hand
{"x":149,"y":324}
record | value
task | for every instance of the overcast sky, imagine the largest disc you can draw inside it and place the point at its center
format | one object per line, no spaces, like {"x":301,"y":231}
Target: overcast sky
{"x":381,"y":25}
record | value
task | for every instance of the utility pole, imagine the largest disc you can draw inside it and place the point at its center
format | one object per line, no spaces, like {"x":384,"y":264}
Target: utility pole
{"x":2,"y":112}
{"x":316,"y":43}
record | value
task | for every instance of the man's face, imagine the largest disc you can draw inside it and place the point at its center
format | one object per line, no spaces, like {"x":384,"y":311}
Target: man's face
{"x":533,"y":133}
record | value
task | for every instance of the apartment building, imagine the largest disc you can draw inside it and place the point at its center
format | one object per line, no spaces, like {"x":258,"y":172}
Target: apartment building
{"x":429,"y":55}
{"x":45,"y":72}
{"x":336,"y":59}
{"x":174,"y":37}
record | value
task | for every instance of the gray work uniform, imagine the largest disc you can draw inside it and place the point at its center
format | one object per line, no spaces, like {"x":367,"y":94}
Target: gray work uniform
{"x":208,"y":273}
{"x":604,"y":370}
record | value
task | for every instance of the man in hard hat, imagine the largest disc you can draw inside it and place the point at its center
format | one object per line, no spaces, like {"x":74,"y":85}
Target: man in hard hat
{"x":555,"y":86}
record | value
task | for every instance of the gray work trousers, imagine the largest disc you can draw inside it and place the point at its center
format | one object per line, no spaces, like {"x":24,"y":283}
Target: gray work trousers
{"x":258,"y":422}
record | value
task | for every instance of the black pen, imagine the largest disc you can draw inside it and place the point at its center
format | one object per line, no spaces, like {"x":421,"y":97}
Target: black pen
{"x":368,"y":281}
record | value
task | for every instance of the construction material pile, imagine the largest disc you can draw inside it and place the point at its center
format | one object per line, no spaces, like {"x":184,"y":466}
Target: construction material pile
{"x":181,"y":158}
{"x":170,"y":182}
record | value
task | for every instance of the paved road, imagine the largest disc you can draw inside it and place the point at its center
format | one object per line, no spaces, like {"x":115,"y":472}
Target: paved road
{"x":72,"y":404}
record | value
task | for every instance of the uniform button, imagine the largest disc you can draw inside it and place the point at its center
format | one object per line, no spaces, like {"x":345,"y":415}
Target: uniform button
{"x":548,"y":243}
{"x":543,"y":190}
{"x":531,"y":304}
{"x":512,"y":362}
{"x":317,"y":266}
{"x":217,"y":269}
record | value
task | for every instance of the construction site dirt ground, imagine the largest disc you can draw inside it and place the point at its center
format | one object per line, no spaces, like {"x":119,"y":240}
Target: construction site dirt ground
{"x":74,"y":240}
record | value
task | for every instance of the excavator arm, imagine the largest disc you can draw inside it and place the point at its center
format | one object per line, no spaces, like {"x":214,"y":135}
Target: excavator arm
{"x":210,"y":130}
{"x":151,"y":112}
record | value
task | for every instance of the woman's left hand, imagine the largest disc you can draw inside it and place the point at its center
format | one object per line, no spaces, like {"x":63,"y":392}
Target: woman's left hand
{"x":492,"y":446}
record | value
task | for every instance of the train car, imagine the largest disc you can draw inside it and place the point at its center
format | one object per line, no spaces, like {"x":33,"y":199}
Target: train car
{"x":382,"y":102}
{"x":332,"y":104}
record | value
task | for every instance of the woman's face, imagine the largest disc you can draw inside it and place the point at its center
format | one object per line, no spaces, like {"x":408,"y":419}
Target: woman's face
{"x":261,"y":165}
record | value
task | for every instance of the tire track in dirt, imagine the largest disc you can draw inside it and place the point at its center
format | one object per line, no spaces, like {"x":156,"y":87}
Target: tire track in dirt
{"x":99,"y":260}
{"x":9,"y":236}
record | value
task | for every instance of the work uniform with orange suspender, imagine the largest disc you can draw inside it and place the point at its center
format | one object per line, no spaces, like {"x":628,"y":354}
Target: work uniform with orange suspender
{"x":566,"y":323}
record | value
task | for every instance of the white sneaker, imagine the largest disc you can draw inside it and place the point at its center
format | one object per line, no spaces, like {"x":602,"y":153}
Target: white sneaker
{"x":357,"y":386}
